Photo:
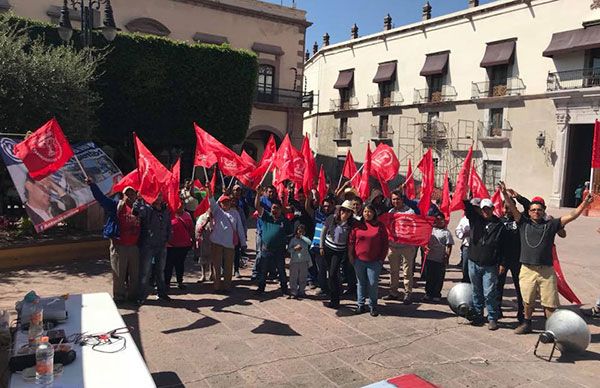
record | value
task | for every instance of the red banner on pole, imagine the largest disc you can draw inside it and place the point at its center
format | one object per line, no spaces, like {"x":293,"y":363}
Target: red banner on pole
{"x":596,"y":146}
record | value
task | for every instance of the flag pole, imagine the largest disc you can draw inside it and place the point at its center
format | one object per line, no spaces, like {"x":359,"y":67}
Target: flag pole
{"x":81,"y":166}
{"x":265,"y":175}
{"x":340,"y":181}
{"x":230,"y":183}
{"x":222,"y":179}
{"x":205,"y":175}
{"x":357,"y":172}
{"x":14,"y":134}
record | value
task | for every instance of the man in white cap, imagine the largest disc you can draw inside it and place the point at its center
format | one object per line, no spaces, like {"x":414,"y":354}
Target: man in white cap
{"x":484,"y":257}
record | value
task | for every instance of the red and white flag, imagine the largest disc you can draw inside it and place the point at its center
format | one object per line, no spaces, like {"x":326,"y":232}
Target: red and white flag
{"x":462,"y":183}
{"x":205,"y":148}
{"x":384,"y":163}
{"x":248,"y":178}
{"x":477,"y":186}
{"x":45,"y":151}
{"x":289,"y":163}
{"x":408,"y":229}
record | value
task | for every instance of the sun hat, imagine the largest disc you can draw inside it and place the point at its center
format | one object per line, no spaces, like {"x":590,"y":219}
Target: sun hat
{"x":347,"y":205}
{"x":486,"y":202}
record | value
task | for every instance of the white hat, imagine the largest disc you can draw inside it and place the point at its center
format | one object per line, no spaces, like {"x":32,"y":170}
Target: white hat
{"x":347,"y":205}
{"x":486,"y":202}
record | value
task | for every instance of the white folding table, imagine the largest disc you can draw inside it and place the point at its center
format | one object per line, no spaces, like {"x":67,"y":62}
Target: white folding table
{"x":91,"y":314}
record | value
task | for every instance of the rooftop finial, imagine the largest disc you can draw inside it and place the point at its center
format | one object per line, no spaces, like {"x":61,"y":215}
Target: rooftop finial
{"x":426,"y":11}
{"x":387,"y":22}
{"x":354,"y":31}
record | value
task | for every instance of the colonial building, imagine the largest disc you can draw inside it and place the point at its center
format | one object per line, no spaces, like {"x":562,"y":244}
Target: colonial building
{"x":275,"y":33}
{"x":518,"y":79}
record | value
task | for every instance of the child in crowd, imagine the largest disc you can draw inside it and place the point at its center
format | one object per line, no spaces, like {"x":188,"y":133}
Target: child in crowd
{"x":299,"y":262}
{"x":440,"y":247}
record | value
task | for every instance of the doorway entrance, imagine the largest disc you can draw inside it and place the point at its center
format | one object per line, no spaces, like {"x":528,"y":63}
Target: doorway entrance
{"x":579,"y":159}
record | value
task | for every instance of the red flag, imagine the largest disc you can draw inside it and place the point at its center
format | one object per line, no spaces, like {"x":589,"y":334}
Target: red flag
{"x":197,"y":184}
{"x":427,"y":181}
{"x":213,"y":181}
{"x":596,"y":146}
{"x":205,"y":148}
{"x":202,"y":207}
{"x":45,"y":151}
{"x":445,"y":206}
{"x":385,"y":164}
{"x":283,"y":193}
{"x":349,"y":170}
{"x":498,"y":204}
{"x":322,"y":186}
{"x":290,"y":163}
{"x":385,"y":188}
{"x":248,"y":178}
{"x":409,"y":186}
{"x":462,"y":183}
{"x":561,"y":281}
{"x":308,"y":181}
{"x":408,"y":229}
{"x":363,"y":189}
{"x":172,"y":194}
{"x":132,"y":179}
{"x":269,"y":152}
{"x":477,"y":186}
{"x":154,"y":177}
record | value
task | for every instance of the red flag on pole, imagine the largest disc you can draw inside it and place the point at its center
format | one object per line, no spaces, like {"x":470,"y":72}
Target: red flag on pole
{"x":289,"y":163}
{"x":154,"y":177}
{"x":213,"y":181}
{"x":308,"y":181}
{"x":45,"y":151}
{"x":172,"y":197}
{"x":248,"y":177}
{"x":561,"y":281}
{"x":427,"y":181}
{"x":408,"y":229}
{"x":205,"y":148}
{"x":363,"y":189}
{"x":462,"y":183}
{"x":385,"y":188}
{"x":322,"y":186}
{"x":498,"y":203}
{"x":409,"y":186}
{"x":477,"y":186}
{"x":445,"y":206}
{"x":269,"y":153}
{"x":132,"y":179}
{"x":385,"y":164}
{"x":349,"y":170}
{"x":596,"y":146}
{"x":202,"y":207}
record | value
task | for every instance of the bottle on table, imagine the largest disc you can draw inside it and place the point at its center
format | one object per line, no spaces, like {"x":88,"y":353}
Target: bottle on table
{"x":36,"y":321}
{"x":44,"y":362}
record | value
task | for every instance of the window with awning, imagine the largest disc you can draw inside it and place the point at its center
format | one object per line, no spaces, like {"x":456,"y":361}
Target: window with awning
{"x":574,"y":40}
{"x":385,"y":72}
{"x":435,"y":64}
{"x":499,"y":53}
{"x":344,"y":80}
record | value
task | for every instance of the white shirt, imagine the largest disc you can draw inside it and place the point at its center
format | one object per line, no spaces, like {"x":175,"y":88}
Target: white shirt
{"x":463,"y":231}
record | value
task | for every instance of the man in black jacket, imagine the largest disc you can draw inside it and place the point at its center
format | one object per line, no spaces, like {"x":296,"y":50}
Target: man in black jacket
{"x":484,"y":257}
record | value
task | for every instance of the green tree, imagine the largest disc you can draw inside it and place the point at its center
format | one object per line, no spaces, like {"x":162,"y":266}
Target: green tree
{"x":38,"y":81}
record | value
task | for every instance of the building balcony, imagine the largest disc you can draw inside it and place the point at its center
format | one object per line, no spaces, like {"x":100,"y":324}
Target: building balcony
{"x":381,"y":132}
{"x":573,"y":79}
{"x":338,"y":104}
{"x":514,"y":86}
{"x":342,"y":134}
{"x":490,"y":133}
{"x":379,"y":101}
{"x":275,"y":96}
{"x":425,"y":96}
{"x":433,"y":132}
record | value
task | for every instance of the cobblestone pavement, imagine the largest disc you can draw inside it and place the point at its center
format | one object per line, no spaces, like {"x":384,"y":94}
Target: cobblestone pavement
{"x":202,"y":339}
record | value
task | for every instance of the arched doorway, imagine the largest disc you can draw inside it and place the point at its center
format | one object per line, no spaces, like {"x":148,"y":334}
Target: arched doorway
{"x":257,"y":138}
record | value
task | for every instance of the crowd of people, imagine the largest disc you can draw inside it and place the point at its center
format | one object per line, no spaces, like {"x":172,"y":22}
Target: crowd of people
{"x":337,"y":245}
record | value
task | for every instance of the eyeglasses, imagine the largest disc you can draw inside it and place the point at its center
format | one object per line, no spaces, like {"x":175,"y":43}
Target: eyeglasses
{"x":536,"y":210}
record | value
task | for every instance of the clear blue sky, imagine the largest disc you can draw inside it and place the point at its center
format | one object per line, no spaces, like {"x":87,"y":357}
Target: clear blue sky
{"x":337,"y":16}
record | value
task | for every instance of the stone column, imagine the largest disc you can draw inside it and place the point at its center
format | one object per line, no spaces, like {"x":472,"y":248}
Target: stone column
{"x":562,"y":126}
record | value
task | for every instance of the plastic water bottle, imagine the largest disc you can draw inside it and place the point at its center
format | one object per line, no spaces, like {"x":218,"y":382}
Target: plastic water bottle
{"x":36,"y":322}
{"x":44,"y":363}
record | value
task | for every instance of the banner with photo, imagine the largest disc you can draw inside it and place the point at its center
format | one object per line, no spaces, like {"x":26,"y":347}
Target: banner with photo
{"x":64,"y":193}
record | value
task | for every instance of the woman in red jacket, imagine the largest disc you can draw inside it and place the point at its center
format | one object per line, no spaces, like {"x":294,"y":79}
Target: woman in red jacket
{"x":179,"y":245}
{"x":367,"y":248}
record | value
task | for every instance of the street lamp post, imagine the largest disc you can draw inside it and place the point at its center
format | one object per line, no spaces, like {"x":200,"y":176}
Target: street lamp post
{"x":65,"y":30}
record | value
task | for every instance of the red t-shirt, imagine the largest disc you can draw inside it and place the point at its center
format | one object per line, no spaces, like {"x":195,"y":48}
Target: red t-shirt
{"x":129,"y":226}
{"x":183,"y":227}
{"x":370,"y":241}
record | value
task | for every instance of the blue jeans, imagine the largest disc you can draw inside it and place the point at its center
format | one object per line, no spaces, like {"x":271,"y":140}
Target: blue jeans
{"x":367,"y":274}
{"x":267,"y":260}
{"x":484,"y":280}
{"x":152,"y":262}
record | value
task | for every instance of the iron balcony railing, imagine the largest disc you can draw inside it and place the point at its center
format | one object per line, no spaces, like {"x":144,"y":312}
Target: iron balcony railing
{"x":279,"y":96}
{"x":424,"y":96}
{"x":573,"y":79}
{"x":342,"y":133}
{"x":491,"y":129}
{"x":339,"y":104}
{"x":433,"y":132}
{"x":379,"y":101}
{"x":514,"y":86}
{"x":381,"y":132}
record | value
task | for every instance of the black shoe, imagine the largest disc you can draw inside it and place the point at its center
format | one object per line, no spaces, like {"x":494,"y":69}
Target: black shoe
{"x":478,"y":321}
{"x":164,"y":297}
{"x":332,"y":305}
{"x":360,"y":310}
{"x":181,"y":286}
{"x":391,"y":297}
{"x":374,"y":312}
{"x":284,"y":291}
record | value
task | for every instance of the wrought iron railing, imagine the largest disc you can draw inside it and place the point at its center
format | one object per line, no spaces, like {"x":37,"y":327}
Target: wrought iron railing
{"x":514,"y":86}
{"x":342,"y":133}
{"x":573,"y":79}
{"x":378,"y":101}
{"x":339,"y":104}
{"x":432,"y":132}
{"x":491,"y":129}
{"x":423,"y":96}
{"x":381,"y":132}
{"x":279,"y":96}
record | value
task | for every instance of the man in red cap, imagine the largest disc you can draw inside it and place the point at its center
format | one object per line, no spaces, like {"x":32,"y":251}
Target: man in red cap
{"x":537,"y":234}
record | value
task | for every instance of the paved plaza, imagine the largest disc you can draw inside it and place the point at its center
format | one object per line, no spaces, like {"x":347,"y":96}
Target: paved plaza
{"x":201,"y":339}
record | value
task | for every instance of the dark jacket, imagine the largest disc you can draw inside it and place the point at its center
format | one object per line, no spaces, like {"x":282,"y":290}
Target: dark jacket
{"x":486,"y":236}
{"x":111,"y":226}
{"x":155,"y":225}
{"x":511,"y":240}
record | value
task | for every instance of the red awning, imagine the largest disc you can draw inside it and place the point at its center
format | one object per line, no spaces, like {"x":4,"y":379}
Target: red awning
{"x":344,"y":80}
{"x":573,"y":40}
{"x":385,"y":72}
{"x":435,"y":64}
{"x":499,"y":53}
